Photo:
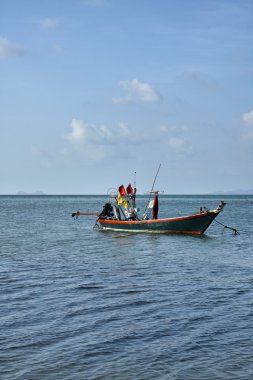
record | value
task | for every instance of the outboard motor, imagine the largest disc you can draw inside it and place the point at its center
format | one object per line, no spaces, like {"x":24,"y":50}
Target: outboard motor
{"x":107,"y":211}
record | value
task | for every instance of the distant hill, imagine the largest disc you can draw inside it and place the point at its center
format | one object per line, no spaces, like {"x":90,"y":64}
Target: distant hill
{"x":233,"y":192}
{"x":37,"y":192}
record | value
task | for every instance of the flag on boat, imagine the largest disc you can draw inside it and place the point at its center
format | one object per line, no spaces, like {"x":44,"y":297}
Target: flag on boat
{"x":155,"y":206}
{"x":120,"y":200}
{"x":129,"y":189}
{"x":125,"y":203}
{"x":122,"y":190}
{"x":151,"y":203}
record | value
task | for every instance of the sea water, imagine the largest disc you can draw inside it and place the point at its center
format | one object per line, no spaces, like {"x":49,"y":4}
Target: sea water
{"x":79,"y":303}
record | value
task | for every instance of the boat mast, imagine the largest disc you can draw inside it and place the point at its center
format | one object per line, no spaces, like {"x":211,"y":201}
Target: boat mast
{"x":145,"y":212}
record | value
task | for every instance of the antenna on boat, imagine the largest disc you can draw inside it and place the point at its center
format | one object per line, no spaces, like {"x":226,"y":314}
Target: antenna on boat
{"x":145,"y":212}
{"x":155,"y":178}
{"x":134,"y":190}
{"x":134,"y":180}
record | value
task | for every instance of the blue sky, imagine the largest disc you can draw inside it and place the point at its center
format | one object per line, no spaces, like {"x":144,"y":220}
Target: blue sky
{"x":93,"y":90}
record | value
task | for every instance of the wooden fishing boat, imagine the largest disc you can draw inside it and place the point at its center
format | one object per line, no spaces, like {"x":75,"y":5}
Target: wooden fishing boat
{"x":121,"y":214}
{"x":115,"y":218}
{"x":195,"y":224}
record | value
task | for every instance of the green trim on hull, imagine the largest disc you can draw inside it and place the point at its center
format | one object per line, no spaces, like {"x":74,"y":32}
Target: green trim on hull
{"x":194,"y":224}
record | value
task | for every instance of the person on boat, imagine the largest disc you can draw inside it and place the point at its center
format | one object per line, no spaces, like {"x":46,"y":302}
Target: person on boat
{"x":130,"y":213}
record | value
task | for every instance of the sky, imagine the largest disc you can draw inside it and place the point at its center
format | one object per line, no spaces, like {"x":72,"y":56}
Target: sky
{"x":92,"y":91}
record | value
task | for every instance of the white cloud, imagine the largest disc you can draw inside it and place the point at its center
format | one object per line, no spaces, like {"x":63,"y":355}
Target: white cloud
{"x":164,"y":129}
{"x":91,"y":134}
{"x":49,"y":23}
{"x":78,"y":132}
{"x":9,"y":49}
{"x":124,"y":129}
{"x":176,"y":138}
{"x":248,"y":121}
{"x":177,"y":144}
{"x":137,"y":91}
{"x":248,"y":118}
{"x":98,"y":142}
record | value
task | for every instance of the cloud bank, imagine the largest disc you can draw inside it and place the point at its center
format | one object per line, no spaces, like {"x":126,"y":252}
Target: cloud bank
{"x":137,"y":91}
{"x":91,"y":134}
{"x":98,"y":142}
{"x":103,"y":141}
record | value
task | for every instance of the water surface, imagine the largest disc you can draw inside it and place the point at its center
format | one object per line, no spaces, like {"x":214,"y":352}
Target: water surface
{"x":78,"y":303}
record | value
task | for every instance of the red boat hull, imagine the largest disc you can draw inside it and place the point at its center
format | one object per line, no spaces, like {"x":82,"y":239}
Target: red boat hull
{"x":194,"y":224}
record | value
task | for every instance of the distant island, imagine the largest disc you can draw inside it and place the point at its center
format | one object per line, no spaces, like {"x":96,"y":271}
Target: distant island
{"x":233,"y":192}
{"x":37,"y":192}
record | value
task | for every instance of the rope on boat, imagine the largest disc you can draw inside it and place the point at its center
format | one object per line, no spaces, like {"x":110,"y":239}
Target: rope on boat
{"x":96,"y":225}
{"x":236,"y":232}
